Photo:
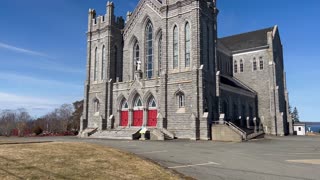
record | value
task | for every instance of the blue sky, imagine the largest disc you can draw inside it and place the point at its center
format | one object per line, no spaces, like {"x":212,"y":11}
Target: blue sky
{"x":43,"y":47}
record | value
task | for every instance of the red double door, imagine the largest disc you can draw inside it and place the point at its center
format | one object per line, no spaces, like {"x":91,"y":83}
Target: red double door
{"x":137,"y":118}
{"x":152,"y":118}
{"x":124,"y":118}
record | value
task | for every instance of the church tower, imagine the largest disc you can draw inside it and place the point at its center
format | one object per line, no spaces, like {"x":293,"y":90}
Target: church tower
{"x":104,"y":66}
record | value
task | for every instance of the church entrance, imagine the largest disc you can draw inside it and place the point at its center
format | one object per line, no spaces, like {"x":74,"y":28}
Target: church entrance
{"x":152,"y":118}
{"x":137,"y":118}
{"x":152,"y":113}
{"x":124,"y":114}
{"x":137,"y":113}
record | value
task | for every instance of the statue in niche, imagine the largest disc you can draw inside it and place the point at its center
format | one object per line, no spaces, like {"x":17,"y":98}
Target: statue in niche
{"x":138,"y":64}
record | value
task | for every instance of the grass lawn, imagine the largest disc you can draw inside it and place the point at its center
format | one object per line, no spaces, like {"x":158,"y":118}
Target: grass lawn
{"x":74,"y":161}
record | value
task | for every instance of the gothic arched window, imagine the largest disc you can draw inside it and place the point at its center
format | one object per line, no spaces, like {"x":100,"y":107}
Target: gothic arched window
{"x":175,"y":47}
{"x":136,"y":55}
{"x":254,"y":64}
{"x":241,"y":65}
{"x":149,"y":50}
{"x":160,"y":55}
{"x":95,"y":74}
{"x":235,"y":68}
{"x":180,"y":100}
{"x":96,"y":105}
{"x":188,"y":44}
{"x":103,"y":66}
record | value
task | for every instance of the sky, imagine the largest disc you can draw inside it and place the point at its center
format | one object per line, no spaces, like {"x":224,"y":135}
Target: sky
{"x":43,"y":48}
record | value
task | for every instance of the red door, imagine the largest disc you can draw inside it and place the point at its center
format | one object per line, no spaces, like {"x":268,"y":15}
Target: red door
{"x":124,"y":118}
{"x":152,"y":118}
{"x":137,"y":118}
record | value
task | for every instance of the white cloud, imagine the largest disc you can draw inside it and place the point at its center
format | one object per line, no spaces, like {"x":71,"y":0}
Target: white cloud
{"x":46,"y":63}
{"x":22,"y":50}
{"x":34,"y":80}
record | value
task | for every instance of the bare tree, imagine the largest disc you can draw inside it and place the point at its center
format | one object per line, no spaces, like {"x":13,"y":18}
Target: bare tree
{"x":22,"y":118}
{"x":65,"y":116}
{"x":7,"y":122}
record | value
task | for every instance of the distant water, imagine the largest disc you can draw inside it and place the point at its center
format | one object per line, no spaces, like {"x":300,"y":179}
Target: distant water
{"x":314,"y":128}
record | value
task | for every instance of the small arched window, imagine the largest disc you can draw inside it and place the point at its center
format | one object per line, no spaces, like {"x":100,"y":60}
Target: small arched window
{"x":160,"y":55}
{"x":103,"y":67}
{"x":152,"y":103}
{"x":261,"y":63}
{"x":125,"y":105}
{"x":138,"y":102}
{"x":95,"y":74}
{"x":254,"y":64}
{"x":180,"y":100}
{"x":175,"y":47}
{"x":136,"y":55}
{"x":187,"y":44}
{"x":235,"y":68}
{"x":241,"y":65}
{"x":96,"y":105}
{"x":149,"y":50}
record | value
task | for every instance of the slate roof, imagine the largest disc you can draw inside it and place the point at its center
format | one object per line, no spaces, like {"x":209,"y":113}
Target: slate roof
{"x":231,"y":81}
{"x":247,"y":40}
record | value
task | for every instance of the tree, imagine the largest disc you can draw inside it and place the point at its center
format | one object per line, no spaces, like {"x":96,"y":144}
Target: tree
{"x":76,"y":115}
{"x":22,"y":118}
{"x":295,"y":115}
{"x":7,"y":122}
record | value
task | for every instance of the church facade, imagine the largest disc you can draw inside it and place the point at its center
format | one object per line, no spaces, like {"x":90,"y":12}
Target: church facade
{"x":165,"y":68}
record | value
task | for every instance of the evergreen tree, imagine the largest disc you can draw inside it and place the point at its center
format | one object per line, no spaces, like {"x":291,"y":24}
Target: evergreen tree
{"x":295,"y":115}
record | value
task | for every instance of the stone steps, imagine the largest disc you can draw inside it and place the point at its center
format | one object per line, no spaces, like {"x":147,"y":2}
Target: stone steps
{"x":123,"y":133}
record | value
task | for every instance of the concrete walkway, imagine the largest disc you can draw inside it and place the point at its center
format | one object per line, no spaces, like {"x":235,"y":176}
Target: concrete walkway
{"x":285,"y":158}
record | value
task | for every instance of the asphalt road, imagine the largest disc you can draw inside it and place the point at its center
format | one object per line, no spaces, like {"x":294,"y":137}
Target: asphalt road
{"x":274,"y":158}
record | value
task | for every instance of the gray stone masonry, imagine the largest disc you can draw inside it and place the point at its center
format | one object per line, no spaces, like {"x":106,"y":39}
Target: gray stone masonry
{"x":187,"y":99}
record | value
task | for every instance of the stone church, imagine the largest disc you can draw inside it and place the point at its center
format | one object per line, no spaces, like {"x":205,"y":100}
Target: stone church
{"x":164,"y":67}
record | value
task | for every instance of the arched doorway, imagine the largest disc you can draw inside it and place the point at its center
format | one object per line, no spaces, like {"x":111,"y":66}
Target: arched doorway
{"x":124,"y":114}
{"x":152,"y":113}
{"x":137,"y":112}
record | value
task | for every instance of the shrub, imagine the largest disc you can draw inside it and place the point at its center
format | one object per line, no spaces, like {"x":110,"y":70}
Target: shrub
{"x":37,"y":130}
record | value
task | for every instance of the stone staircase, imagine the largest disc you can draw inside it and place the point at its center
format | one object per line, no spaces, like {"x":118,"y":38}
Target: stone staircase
{"x":227,"y":131}
{"x":133,"y":133}
{"x":87,"y":132}
{"x":118,"y":133}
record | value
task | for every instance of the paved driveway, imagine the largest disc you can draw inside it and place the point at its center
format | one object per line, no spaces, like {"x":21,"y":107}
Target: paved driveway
{"x":272,"y":158}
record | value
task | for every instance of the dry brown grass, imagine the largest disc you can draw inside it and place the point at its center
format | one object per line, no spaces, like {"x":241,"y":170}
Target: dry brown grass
{"x":74,"y":161}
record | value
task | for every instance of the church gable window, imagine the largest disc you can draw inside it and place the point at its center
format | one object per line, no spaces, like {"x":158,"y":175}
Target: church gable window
{"x":149,"y":50}
{"x":175,"y":47}
{"x":254,"y":64}
{"x":188,"y":44}
{"x":241,"y":65}
{"x":235,"y":68}
{"x":261,"y":63}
